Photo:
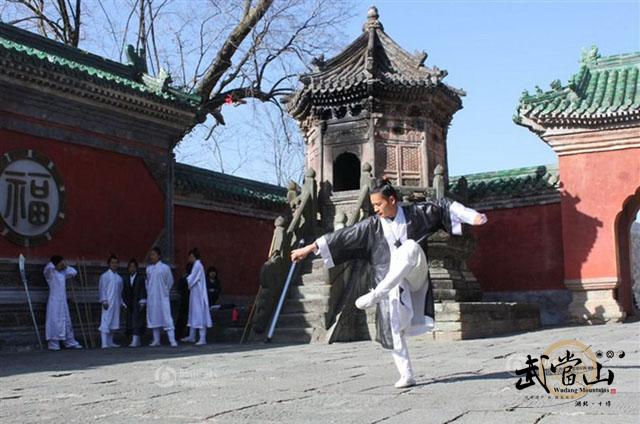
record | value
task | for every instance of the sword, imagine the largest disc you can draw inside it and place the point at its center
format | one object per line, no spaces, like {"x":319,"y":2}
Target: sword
{"x":283,"y":295}
{"x":23,"y":276}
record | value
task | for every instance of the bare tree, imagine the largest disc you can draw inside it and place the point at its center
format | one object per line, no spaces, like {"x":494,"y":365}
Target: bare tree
{"x":59,"y":19}
{"x":228,"y":52}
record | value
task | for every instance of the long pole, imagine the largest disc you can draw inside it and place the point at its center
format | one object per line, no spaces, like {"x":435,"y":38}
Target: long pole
{"x":283,"y":296}
{"x":250,"y":317}
{"x":86,"y":285}
{"x":87,"y":311}
{"x":23,"y":276}
{"x":75,"y":301}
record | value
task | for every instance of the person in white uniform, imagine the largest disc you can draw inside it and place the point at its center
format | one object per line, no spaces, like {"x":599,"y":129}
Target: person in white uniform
{"x":110,"y":291}
{"x":199,"y":315}
{"x":159,"y":282}
{"x":393,"y":241}
{"x":58,"y":320}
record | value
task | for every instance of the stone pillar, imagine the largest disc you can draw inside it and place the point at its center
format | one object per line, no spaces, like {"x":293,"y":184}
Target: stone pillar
{"x":452,"y":280}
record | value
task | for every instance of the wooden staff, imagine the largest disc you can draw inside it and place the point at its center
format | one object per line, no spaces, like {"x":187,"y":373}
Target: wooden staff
{"x":87,"y":310}
{"x":250,"y":317}
{"x":75,"y":301}
{"x":86,"y":283}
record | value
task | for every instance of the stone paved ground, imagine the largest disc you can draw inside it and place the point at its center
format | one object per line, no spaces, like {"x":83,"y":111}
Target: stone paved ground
{"x":461,"y":382}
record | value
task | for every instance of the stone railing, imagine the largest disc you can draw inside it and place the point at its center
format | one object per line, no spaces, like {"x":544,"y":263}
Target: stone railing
{"x":301,"y":225}
{"x":349,"y":280}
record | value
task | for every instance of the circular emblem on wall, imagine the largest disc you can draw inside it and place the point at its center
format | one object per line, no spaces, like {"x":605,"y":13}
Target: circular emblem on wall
{"x":32,"y":197}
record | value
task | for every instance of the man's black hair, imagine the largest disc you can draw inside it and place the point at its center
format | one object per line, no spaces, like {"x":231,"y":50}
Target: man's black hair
{"x":195,"y":252}
{"x":56,"y":259}
{"x":384,"y":187}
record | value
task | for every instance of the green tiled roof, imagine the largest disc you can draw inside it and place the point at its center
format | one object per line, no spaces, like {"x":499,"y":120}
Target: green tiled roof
{"x":191,"y":181}
{"x":510,"y":183}
{"x":42,"y":52}
{"x":604,"y":89}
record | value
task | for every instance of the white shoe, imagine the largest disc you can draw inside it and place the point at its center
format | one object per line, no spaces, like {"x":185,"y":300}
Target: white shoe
{"x":135,"y":342}
{"x":405,"y":382}
{"x":74,"y":346}
{"x":105,"y":347}
{"x":188,"y":340}
{"x":174,"y":344}
{"x":201,"y":343}
{"x":114,"y":345}
{"x":154,"y":344}
{"x":368,"y":300}
{"x":53,"y":345}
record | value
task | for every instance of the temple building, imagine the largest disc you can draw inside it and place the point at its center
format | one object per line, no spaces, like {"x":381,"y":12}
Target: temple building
{"x":374,"y":102}
{"x":593,"y":125}
{"x":87,"y":169}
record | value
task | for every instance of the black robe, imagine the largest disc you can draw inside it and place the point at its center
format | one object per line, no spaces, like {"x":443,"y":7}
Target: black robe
{"x":366,"y":240}
{"x":131,"y":296}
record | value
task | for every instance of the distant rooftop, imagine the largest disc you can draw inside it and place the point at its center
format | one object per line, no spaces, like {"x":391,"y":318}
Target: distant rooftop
{"x":605,"y":89}
{"x":33,"y":49}
{"x":194,"y":182}
{"x":516,"y":186}
{"x":372,"y":61}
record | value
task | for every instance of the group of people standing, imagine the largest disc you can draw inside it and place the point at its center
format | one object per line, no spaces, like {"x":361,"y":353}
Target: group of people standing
{"x":146,"y":299}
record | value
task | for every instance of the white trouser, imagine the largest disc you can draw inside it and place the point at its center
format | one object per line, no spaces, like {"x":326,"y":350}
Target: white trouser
{"x":403,"y":261}
{"x":400,"y":355}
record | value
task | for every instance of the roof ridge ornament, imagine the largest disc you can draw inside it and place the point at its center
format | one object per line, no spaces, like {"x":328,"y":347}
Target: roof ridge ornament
{"x":590,"y":56}
{"x":373,"y":21}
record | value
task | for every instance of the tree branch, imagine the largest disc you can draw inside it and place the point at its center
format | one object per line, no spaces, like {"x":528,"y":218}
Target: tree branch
{"x":222,"y":61}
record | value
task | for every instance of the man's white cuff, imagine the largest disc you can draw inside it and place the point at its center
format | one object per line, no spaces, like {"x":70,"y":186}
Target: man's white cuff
{"x":324,"y":251}
{"x":461,"y":214}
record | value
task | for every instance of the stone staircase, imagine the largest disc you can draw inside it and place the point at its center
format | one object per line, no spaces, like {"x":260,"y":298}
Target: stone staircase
{"x":303,"y":316}
{"x":459,"y":312}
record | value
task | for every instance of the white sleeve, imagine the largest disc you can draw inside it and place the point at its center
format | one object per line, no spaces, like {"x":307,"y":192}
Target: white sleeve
{"x":70,"y":272}
{"x":461,"y":214}
{"x":48,"y":272}
{"x":102,"y":292}
{"x":197,"y":272}
{"x":323,"y":249}
{"x":168,"y":278}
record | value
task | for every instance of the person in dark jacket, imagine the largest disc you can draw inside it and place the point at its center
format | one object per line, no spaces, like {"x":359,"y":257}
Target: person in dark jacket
{"x":134,"y":296}
{"x":183,"y":304}
{"x":214,"y":286}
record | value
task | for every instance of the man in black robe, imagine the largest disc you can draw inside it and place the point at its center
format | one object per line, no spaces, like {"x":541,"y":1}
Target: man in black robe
{"x":402,"y":308}
{"x":134,"y":296}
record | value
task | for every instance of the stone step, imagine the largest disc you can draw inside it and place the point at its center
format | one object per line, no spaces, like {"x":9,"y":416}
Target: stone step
{"x":296,"y":335}
{"x":301,"y":320}
{"x":487,"y":327}
{"x":317,"y":263}
{"x":444,"y":294}
{"x":496,"y":308}
{"x":316,"y":304}
{"x":313,"y":279}
{"x":306,"y":292}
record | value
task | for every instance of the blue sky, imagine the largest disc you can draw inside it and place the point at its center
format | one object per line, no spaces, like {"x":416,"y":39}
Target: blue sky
{"x":496,"y":49}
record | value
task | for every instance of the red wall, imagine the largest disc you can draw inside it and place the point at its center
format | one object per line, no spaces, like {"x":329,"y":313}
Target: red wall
{"x":595,"y":188}
{"x":113,"y":203}
{"x":236,"y":245}
{"x":519,"y":249}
